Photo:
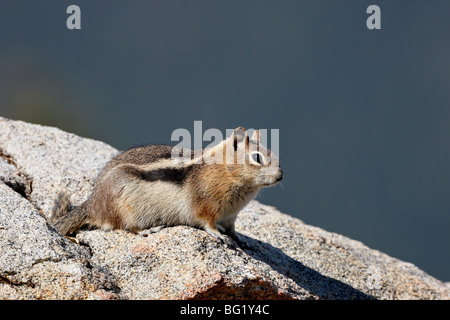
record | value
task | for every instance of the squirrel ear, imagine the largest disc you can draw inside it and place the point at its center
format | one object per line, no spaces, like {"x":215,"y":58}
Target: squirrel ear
{"x":238,"y":136}
{"x":239,"y":131}
{"x":256,"y":135}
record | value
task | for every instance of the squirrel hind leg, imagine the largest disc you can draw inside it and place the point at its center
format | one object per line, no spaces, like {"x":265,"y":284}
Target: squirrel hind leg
{"x":146,"y":232}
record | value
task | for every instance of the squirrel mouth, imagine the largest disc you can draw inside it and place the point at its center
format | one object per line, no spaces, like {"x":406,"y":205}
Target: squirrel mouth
{"x":268,"y":184}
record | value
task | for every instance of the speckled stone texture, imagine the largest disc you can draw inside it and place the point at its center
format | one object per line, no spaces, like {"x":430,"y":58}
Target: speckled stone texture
{"x":283,"y":258}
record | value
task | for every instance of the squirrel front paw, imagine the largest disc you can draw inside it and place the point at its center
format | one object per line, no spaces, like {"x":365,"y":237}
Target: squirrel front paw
{"x":222,"y":238}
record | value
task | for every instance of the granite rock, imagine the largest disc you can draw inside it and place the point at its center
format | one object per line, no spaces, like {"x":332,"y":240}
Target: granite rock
{"x":51,"y":160}
{"x":283,"y":258}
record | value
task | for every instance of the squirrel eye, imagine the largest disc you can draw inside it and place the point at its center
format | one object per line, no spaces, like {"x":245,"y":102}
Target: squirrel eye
{"x":257,"y":158}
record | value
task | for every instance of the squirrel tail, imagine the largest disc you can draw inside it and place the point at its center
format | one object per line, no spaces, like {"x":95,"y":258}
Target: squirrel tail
{"x":67,"y":219}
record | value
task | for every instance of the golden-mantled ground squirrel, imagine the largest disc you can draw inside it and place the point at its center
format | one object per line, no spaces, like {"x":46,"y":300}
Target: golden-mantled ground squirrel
{"x":145,"y":189}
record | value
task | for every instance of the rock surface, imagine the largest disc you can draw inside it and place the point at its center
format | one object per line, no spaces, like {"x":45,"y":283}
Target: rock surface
{"x":284,"y":258}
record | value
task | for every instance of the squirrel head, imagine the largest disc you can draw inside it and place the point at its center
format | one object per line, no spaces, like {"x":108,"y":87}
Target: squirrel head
{"x":248,"y":159}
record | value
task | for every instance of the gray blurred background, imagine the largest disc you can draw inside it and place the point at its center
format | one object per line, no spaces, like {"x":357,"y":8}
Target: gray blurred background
{"x":364,"y":115}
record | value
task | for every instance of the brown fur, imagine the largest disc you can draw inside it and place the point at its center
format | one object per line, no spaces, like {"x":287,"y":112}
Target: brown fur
{"x":144,"y":188}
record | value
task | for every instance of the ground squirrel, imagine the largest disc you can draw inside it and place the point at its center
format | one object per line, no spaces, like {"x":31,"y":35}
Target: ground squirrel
{"x":146,"y":188}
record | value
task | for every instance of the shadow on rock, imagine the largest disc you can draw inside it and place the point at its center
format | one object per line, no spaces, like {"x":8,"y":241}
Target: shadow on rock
{"x":315,"y":283}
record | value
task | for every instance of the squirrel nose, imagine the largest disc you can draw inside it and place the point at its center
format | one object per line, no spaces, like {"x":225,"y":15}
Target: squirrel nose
{"x":280,"y":175}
